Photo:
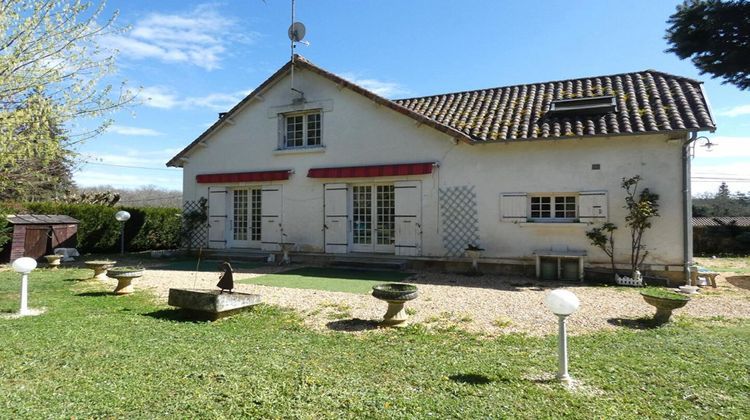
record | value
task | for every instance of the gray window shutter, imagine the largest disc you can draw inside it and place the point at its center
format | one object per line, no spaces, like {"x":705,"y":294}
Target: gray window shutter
{"x":513,"y":207}
{"x":592,"y":206}
{"x":217,"y":217}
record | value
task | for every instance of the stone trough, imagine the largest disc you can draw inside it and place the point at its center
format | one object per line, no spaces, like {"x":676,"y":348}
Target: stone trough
{"x":211,"y":304}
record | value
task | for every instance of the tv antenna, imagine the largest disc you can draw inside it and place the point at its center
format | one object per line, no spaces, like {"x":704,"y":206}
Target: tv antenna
{"x":296,"y":35}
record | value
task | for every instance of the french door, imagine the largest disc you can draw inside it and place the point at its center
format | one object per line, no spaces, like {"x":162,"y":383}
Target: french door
{"x":245,"y":219}
{"x":373,"y":227}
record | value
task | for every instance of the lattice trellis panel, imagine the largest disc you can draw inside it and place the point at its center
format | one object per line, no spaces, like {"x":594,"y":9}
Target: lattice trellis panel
{"x":459,"y":218}
{"x":198,"y":236}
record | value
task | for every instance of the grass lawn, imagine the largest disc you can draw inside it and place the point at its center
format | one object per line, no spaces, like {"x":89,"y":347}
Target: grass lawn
{"x":205,"y":265}
{"x":93,"y":354}
{"x":329,"y":279}
{"x":739,"y":265}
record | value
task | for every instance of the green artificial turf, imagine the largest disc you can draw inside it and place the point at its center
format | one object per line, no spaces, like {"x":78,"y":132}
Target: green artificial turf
{"x":329,"y":279}
{"x":205,"y":265}
{"x":96,"y":355}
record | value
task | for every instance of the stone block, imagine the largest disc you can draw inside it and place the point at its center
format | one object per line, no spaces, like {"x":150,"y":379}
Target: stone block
{"x":211,"y":304}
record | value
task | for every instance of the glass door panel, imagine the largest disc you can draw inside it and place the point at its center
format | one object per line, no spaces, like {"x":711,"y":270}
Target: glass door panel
{"x":372,"y":218}
{"x":246,"y":217}
{"x":362,"y":218}
{"x":384,"y":222}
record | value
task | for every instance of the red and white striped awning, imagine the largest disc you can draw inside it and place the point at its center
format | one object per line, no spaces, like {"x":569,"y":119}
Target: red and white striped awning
{"x":372,"y":171}
{"x":258,"y":176}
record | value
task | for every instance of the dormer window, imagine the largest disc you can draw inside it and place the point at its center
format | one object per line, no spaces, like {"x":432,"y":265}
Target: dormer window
{"x":583,"y":106}
{"x":302,"y":130}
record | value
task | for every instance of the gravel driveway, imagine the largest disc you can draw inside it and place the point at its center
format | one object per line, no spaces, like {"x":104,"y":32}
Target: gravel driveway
{"x":489,"y":304}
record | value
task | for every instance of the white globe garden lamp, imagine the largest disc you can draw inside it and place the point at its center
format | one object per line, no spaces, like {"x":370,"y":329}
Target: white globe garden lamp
{"x":122,"y":216}
{"x":24,"y":266}
{"x":562,"y":303}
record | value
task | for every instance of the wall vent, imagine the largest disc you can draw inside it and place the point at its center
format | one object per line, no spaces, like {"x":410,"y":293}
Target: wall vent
{"x":583,"y":106}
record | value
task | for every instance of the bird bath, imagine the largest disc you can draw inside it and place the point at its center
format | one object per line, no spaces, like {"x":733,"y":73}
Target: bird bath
{"x":664,"y":302}
{"x":124,"y":276}
{"x":396,"y":294}
{"x":100,"y":268}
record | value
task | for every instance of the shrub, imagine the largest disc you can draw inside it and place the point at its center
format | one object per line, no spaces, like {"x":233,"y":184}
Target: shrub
{"x":148,"y":228}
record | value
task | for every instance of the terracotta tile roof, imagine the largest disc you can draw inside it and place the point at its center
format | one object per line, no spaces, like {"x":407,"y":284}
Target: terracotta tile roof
{"x":743,"y":221}
{"x":647,"y":102}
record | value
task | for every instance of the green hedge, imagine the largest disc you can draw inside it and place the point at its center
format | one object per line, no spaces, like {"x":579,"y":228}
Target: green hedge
{"x":148,"y":228}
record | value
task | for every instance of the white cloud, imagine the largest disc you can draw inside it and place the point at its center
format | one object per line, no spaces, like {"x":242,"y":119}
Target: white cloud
{"x":164,"y":98}
{"x":199,"y":37}
{"x":736,"y":111}
{"x":133,"y":131}
{"x":379,"y":87}
{"x":158,"y":97}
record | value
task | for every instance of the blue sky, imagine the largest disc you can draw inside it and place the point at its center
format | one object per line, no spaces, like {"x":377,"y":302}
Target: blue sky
{"x":194,"y":59}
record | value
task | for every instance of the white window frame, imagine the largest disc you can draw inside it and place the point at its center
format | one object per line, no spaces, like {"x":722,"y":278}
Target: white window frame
{"x":305,"y":115}
{"x":553,"y":217}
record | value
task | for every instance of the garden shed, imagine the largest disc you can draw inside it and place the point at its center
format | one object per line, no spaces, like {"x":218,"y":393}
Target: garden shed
{"x":37,"y":235}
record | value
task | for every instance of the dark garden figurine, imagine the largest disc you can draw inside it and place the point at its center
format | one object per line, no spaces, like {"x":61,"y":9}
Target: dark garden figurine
{"x":226,"y":281}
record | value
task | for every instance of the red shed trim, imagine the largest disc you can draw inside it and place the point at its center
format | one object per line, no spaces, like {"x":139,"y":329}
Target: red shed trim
{"x":258,"y":176}
{"x":371,"y":171}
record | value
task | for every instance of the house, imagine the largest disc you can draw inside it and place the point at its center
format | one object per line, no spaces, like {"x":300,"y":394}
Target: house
{"x":311,"y":159}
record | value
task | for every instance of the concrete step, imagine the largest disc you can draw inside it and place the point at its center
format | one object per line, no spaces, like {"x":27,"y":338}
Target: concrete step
{"x":219,"y":254}
{"x":369,"y":264}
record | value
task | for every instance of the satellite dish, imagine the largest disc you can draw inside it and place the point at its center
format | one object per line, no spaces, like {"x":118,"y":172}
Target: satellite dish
{"x":296,"y":31}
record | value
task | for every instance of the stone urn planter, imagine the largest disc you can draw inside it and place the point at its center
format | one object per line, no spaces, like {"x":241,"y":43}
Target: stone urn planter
{"x":664,"y":302}
{"x":396,"y":294}
{"x":100,"y":268}
{"x":53,"y":261}
{"x":124,"y":276}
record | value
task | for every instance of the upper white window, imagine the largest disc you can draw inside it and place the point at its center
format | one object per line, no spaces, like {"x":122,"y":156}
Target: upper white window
{"x":302,"y":130}
{"x":553,"y":207}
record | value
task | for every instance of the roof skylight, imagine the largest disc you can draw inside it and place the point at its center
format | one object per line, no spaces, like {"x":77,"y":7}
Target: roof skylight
{"x":584,"y":106}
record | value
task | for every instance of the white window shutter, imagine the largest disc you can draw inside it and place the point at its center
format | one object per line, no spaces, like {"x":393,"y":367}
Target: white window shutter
{"x":270,"y":217}
{"x":217,"y":217}
{"x":592,"y":206}
{"x":408,"y":217}
{"x":513,"y":207}
{"x":336,"y":228}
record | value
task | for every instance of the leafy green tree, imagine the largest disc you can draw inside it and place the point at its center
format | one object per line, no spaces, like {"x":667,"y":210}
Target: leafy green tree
{"x":641,"y":207}
{"x":53,"y":73}
{"x":716,"y":35}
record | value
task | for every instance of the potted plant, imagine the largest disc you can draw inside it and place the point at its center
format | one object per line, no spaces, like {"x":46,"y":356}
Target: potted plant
{"x":125,"y":276}
{"x":664,"y":301}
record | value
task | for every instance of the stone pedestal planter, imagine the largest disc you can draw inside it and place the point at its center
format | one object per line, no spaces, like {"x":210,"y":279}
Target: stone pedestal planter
{"x":396,"y":294}
{"x":664,"y":302}
{"x":124,"y":276}
{"x":53,"y":261}
{"x":100,"y":268}
{"x":211,"y":304}
{"x":474,"y":253}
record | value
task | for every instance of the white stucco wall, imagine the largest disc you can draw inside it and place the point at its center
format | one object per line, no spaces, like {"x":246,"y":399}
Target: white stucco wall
{"x":356,"y":131}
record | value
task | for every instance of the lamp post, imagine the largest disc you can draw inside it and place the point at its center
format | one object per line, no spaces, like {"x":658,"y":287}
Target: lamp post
{"x":24,"y":266}
{"x":122,"y":216}
{"x":562,"y":303}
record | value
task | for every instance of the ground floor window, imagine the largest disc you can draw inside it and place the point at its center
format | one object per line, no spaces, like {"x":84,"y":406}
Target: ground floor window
{"x":553,"y":207}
